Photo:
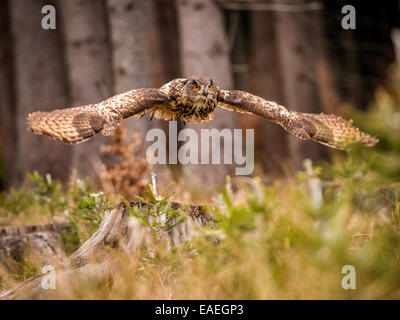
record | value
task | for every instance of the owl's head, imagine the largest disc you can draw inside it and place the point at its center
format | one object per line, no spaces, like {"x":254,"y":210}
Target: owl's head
{"x":201,"y":88}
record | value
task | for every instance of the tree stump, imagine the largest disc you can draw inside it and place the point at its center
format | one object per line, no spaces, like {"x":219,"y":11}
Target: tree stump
{"x":42,"y":242}
{"x":119,"y":231}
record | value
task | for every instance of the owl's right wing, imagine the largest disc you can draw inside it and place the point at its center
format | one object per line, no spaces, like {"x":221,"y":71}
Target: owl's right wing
{"x":78,"y":124}
{"x":330,"y":130}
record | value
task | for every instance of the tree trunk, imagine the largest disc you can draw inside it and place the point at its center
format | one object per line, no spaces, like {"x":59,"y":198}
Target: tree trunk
{"x":169,"y":45}
{"x":300,"y":52}
{"x":8,"y":124}
{"x":40,"y":85}
{"x":204,"y":51}
{"x":265,"y":80}
{"x":132,"y":31}
{"x":136,"y":59}
{"x":89,"y":69}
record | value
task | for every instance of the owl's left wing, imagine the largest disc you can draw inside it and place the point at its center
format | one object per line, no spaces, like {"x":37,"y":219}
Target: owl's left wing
{"x":78,"y":124}
{"x":330,"y":130}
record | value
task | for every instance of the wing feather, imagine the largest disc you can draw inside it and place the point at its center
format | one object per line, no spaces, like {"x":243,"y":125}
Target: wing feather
{"x":330,"y":130}
{"x":78,"y":124}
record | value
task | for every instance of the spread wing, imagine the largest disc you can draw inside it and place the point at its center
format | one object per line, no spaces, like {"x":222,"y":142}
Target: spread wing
{"x":330,"y":130}
{"x":75,"y":125}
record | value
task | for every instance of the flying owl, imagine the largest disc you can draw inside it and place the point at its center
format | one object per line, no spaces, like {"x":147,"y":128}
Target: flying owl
{"x":189,"y":99}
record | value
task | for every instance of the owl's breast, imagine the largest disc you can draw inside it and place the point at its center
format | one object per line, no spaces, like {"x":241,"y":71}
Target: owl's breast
{"x":198,"y":111}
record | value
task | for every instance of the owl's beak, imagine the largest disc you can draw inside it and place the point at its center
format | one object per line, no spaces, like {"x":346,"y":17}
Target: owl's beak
{"x":205,"y":92}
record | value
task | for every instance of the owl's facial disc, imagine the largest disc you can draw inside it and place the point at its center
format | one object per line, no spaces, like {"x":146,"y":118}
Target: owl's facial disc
{"x":202,"y":88}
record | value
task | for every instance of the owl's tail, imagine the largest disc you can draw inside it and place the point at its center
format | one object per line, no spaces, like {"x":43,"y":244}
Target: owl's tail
{"x":72,"y":125}
{"x":330,"y":130}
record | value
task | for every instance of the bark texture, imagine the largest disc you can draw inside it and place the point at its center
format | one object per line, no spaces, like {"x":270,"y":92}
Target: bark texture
{"x":42,"y":242}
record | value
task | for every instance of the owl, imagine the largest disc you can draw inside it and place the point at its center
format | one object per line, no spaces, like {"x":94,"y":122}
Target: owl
{"x":193,"y":99}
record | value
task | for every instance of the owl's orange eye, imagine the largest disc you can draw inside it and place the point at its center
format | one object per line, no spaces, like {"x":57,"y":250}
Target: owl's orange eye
{"x":210,"y":86}
{"x":196,"y":87}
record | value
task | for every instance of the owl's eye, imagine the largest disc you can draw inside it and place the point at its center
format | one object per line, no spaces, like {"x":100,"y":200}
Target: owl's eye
{"x":210,"y":86}
{"x":196,"y":87}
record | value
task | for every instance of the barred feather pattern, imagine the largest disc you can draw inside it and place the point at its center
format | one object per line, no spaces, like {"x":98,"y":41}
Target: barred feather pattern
{"x":75,"y":125}
{"x":330,"y":130}
{"x":71,"y":125}
{"x":177,"y":100}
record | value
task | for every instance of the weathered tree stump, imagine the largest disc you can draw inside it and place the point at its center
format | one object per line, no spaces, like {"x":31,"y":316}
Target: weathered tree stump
{"x":119,"y":231}
{"x":42,"y":242}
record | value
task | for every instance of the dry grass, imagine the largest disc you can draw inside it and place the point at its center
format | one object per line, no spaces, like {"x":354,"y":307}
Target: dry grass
{"x":274,"y":243}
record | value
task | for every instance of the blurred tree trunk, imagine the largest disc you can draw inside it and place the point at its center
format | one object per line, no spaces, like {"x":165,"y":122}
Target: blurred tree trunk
{"x":132,"y":31}
{"x":89,"y":69}
{"x":40,"y":85}
{"x":351,"y":73}
{"x":300,"y":51}
{"x":204,"y":51}
{"x":136,"y":58}
{"x":8,"y":124}
{"x":266,"y":81}
{"x":169,"y":45}
{"x":167,"y":29}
